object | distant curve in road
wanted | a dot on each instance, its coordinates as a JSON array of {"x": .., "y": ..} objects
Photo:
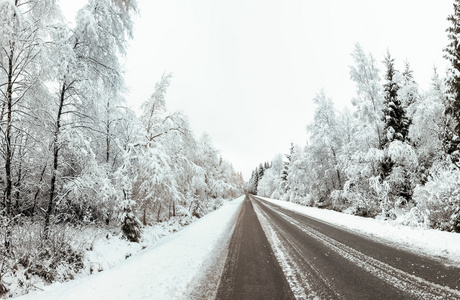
[{"x": 322, "y": 261}]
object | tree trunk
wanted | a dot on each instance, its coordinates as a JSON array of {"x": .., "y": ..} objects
[
  {"x": 17, "y": 187},
  {"x": 339, "y": 178},
  {"x": 8, "y": 153},
  {"x": 169, "y": 211},
  {"x": 2, "y": 114},
  {"x": 107, "y": 138},
  {"x": 158, "y": 214},
  {"x": 19, "y": 176},
  {"x": 38, "y": 191},
  {"x": 337, "y": 169},
  {"x": 55, "y": 162}
]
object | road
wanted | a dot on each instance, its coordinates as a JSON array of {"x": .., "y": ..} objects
[
  {"x": 251, "y": 270},
  {"x": 278, "y": 254}
]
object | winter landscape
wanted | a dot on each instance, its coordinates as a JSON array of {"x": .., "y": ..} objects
[{"x": 123, "y": 180}]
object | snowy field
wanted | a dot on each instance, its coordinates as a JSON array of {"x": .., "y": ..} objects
[
  {"x": 434, "y": 243},
  {"x": 170, "y": 269}
]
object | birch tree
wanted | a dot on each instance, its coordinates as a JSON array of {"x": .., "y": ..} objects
[
  {"x": 22, "y": 38},
  {"x": 89, "y": 67}
]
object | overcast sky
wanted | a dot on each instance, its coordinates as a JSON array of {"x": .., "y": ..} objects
[{"x": 246, "y": 71}]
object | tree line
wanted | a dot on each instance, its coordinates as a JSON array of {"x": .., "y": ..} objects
[
  {"x": 71, "y": 151},
  {"x": 395, "y": 154}
]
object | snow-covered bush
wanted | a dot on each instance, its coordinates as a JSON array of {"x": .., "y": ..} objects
[
  {"x": 338, "y": 201},
  {"x": 363, "y": 188},
  {"x": 438, "y": 201},
  {"x": 33, "y": 259},
  {"x": 130, "y": 224},
  {"x": 363, "y": 199}
]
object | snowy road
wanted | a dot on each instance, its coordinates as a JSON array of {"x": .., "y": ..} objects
[
  {"x": 321, "y": 261},
  {"x": 251, "y": 270}
]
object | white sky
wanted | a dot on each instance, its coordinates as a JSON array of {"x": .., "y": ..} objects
[{"x": 246, "y": 71}]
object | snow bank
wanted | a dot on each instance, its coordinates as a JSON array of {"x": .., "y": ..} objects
[
  {"x": 434, "y": 243},
  {"x": 107, "y": 250},
  {"x": 167, "y": 270}
]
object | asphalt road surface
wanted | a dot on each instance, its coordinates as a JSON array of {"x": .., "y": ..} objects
[
  {"x": 278, "y": 254},
  {"x": 251, "y": 270}
]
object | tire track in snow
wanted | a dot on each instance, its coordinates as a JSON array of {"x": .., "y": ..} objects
[
  {"x": 307, "y": 280},
  {"x": 304, "y": 284}
]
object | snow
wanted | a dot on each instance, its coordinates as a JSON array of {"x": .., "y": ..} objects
[
  {"x": 170, "y": 269},
  {"x": 434, "y": 243}
]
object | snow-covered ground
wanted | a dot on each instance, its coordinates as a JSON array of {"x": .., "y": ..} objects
[
  {"x": 434, "y": 243},
  {"x": 173, "y": 268}
]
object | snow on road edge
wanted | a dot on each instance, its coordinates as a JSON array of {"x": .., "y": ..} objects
[
  {"x": 165, "y": 271},
  {"x": 434, "y": 243}
]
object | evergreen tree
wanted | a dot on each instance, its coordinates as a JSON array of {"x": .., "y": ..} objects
[
  {"x": 452, "y": 54},
  {"x": 396, "y": 128},
  {"x": 256, "y": 181},
  {"x": 267, "y": 165},
  {"x": 261, "y": 171},
  {"x": 253, "y": 182},
  {"x": 394, "y": 115},
  {"x": 284, "y": 175},
  {"x": 408, "y": 93},
  {"x": 130, "y": 224},
  {"x": 260, "y": 175}
]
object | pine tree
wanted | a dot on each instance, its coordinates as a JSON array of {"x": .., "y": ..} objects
[
  {"x": 253, "y": 182},
  {"x": 396, "y": 123},
  {"x": 408, "y": 93},
  {"x": 130, "y": 224},
  {"x": 284, "y": 175},
  {"x": 452, "y": 54},
  {"x": 261, "y": 171},
  {"x": 396, "y": 128}
]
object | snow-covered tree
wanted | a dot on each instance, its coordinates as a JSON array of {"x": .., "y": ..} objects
[
  {"x": 155, "y": 181},
  {"x": 408, "y": 93},
  {"x": 369, "y": 100},
  {"x": 299, "y": 177},
  {"x": 394, "y": 114},
  {"x": 125, "y": 178},
  {"x": 396, "y": 129},
  {"x": 430, "y": 125},
  {"x": 85, "y": 64},
  {"x": 23, "y": 37},
  {"x": 284, "y": 187},
  {"x": 363, "y": 187},
  {"x": 269, "y": 184},
  {"x": 452, "y": 54},
  {"x": 253, "y": 182},
  {"x": 324, "y": 150}
]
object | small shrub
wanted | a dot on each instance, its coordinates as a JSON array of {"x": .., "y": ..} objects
[
  {"x": 130, "y": 224},
  {"x": 57, "y": 259},
  {"x": 438, "y": 201}
]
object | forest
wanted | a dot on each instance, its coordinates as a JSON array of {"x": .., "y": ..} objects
[
  {"x": 394, "y": 155},
  {"x": 73, "y": 155}
]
